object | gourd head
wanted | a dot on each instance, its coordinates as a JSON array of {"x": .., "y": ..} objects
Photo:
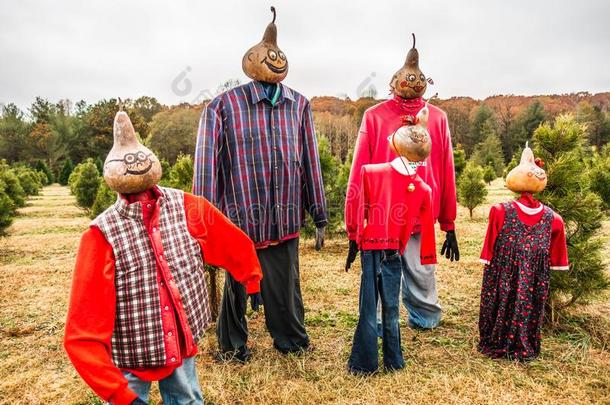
[
  {"x": 130, "y": 167},
  {"x": 265, "y": 61},
  {"x": 528, "y": 176}
]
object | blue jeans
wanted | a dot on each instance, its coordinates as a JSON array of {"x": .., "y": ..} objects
[
  {"x": 381, "y": 274},
  {"x": 179, "y": 388}
]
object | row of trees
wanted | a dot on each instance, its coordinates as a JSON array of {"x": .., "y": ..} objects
[{"x": 17, "y": 182}]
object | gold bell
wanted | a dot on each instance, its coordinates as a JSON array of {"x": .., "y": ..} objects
[{"x": 411, "y": 187}]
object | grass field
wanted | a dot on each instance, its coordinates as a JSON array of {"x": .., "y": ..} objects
[{"x": 443, "y": 365}]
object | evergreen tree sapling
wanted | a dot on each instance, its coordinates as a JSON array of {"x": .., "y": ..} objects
[
  {"x": 86, "y": 183},
  {"x": 7, "y": 208},
  {"x": 459, "y": 160},
  {"x": 65, "y": 172},
  {"x": 471, "y": 187},
  {"x": 568, "y": 192}
]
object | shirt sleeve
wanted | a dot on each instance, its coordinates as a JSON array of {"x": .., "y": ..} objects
[
  {"x": 359, "y": 220},
  {"x": 314, "y": 200},
  {"x": 428, "y": 243},
  {"x": 494, "y": 225},
  {"x": 559, "y": 247},
  {"x": 207, "y": 152},
  {"x": 448, "y": 203},
  {"x": 223, "y": 244},
  {"x": 90, "y": 319},
  {"x": 362, "y": 156}
]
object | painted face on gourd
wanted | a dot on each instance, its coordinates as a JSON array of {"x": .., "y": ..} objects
[
  {"x": 130, "y": 167},
  {"x": 412, "y": 140},
  {"x": 528, "y": 176},
  {"x": 265, "y": 61},
  {"x": 409, "y": 81}
]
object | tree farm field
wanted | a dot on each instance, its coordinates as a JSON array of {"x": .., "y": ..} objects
[{"x": 443, "y": 365}]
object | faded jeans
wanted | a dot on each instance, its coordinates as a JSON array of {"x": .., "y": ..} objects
[
  {"x": 179, "y": 388},
  {"x": 381, "y": 275}
]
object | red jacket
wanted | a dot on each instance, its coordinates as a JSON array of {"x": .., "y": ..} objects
[
  {"x": 372, "y": 146},
  {"x": 387, "y": 211},
  {"x": 91, "y": 314}
]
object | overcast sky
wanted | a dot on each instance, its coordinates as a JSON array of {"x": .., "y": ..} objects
[{"x": 100, "y": 49}]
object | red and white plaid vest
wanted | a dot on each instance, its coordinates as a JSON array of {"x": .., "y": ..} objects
[{"x": 137, "y": 341}]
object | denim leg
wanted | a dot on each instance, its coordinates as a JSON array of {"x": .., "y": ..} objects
[
  {"x": 419, "y": 293},
  {"x": 364, "y": 357},
  {"x": 182, "y": 386},
  {"x": 141, "y": 388},
  {"x": 389, "y": 291}
]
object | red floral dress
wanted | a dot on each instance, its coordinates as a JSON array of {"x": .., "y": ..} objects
[{"x": 515, "y": 288}]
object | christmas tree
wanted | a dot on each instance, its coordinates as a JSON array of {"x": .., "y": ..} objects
[
  {"x": 561, "y": 147},
  {"x": 471, "y": 187}
]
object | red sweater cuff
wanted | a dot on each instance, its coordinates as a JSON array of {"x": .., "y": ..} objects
[
  {"x": 447, "y": 226},
  {"x": 253, "y": 287},
  {"x": 123, "y": 397}
]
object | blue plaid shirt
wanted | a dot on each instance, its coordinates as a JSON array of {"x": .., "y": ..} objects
[{"x": 259, "y": 163}]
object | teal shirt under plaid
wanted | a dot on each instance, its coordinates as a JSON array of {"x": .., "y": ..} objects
[{"x": 259, "y": 163}]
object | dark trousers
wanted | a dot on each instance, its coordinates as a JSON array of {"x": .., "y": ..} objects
[
  {"x": 381, "y": 273},
  {"x": 283, "y": 304}
]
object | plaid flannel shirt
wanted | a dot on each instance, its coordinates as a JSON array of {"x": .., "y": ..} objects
[{"x": 258, "y": 163}]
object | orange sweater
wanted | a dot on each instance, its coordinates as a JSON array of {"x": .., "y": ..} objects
[{"x": 91, "y": 313}]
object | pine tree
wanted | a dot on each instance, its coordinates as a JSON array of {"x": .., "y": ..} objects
[
  {"x": 600, "y": 175},
  {"x": 12, "y": 186},
  {"x": 483, "y": 121},
  {"x": 459, "y": 160},
  {"x": 104, "y": 198},
  {"x": 489, "y": 152},
  {"x": 568, "y": 193},
  {"x": 7, "y": 208},
  {"x": 100, "y": 166},
  {"x": 181, "y": 174},
  {"x": 65, "y": 172},
  {"x": 471, "y": 187},
  {"x": 42, "y": 167},
  {"x": 86, "y": 183},
  {"x": 523, "y": 128},
  {"x": 489, "y": 174}
]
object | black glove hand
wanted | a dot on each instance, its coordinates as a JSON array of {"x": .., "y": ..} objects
[
  {"x": 351, "y": 254},
  {"x": 320, "y": 237},
  {"x": 138, "y": 401},
  {"x": 256, "y": 300},
  {"x": 450, "y": 247}
]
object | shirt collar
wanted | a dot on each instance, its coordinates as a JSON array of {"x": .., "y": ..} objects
[
  {"x": 134, "y": 210},
  {"x": 257, "y": 92}
]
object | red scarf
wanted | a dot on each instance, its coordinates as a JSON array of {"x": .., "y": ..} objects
[{"x": 408, "y": 107}]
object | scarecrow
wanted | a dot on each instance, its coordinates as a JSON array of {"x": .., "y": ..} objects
[
  {"x": 392, "y": 199},
  {"x": 525, "y": 240},
  {"x": 139, "y": 301},
  {"x": 408, "y": 86},
  {"x": 257, "y": 160}
]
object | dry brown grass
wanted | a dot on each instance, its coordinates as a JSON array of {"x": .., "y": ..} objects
[{"x": 443, "y": 365}]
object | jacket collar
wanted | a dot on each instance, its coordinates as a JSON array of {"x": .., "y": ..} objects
[
  {"x": 257, "y": 92},
  {"x": 134, "y": 210}
]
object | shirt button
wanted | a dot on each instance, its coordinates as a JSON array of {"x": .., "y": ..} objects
[
  {"x": 166, "y": 308},
  {"x": 170, "y": 334},
  {"x": 173, "y": 359},
  {"x": 160, "y": 257},
  {"x": 154, "y": 229},
  {"x": 148, "y": 205}
]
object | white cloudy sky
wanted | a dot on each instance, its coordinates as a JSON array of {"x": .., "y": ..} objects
[{"x": 99, "y": 49}]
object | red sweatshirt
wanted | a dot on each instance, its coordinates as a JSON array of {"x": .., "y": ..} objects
[
  {"x": 372, "y": 146},
  {"x": 387, "y": 211},
  {"x": 91, "y": 313},
  {"x": 559, "y": 249}
]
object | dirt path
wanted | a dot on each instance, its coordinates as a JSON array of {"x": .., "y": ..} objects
[{"x": 443, "y": 366}]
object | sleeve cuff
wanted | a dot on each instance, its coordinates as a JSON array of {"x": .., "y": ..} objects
[
  {"x": 123, "y": 397},
  {"x": 484, "y": 261},
  {"x": 447, "y": 226},
  {"x": 253, "y": 287},
  {"x": 428, "y": 260},
  {"x": 561, "y": 268}
]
